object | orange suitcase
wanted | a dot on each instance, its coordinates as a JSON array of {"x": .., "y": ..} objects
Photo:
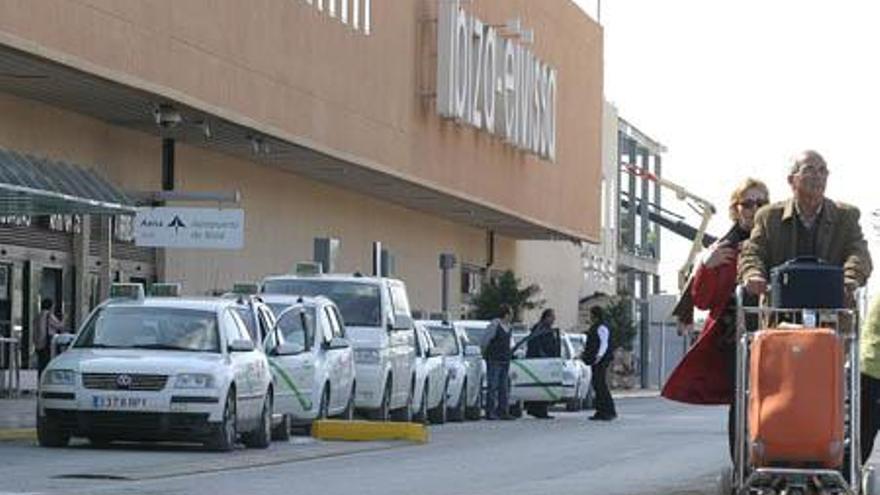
[{"x": 795, "y": 410}]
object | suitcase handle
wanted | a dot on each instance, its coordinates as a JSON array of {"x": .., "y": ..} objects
[{"x": 807, "y": 259}]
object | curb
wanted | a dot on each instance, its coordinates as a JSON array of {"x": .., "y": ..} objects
[
  {"x": 13, "y": 434},
  {"x": 330, "y": 429}
]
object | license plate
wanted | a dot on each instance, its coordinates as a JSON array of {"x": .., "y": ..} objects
[{"x": 114, "y": 402}]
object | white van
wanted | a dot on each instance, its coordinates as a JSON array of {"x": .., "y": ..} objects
[{"x": 379, "y": 325}]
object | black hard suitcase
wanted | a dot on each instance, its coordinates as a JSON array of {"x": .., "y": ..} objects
[{"x": 806, "y": 282}]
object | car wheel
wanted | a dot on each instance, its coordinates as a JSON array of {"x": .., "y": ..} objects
[
  {"x": 404, "y": 414},
  {"x": 348, "y": 413},
  {"x": 573, "y": 404},
  {"x": 281, "y": 432},
  {"x": 437, "y": 415},
  {"x": 472, "y": 413},
  {"x": 516, "y": 409},
  {"x": 50, "y": 434},
  {"x": 261, "y": 437},
  {"x": 225, "y": 434},
  {"x": 457, "y": 413},
  {"x": 99, "y": 441},
  {"x": 421, "y": 416},
  {"x": 383, "y": 413}
]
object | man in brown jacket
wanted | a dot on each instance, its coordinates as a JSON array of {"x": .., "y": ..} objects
[{"x": 808, "y": 224}]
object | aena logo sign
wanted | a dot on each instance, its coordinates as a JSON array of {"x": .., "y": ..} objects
[{"x": 489, "y": 79}]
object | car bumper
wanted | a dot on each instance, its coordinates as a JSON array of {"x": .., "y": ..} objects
[
  {"x": 201, "y": 402},
  {"x": 127, "y": 425}
]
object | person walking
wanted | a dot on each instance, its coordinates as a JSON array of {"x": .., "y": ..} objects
[
  {"x": 46, "y": 325},
  {"x": 542, "y": 342},
  {"x": 869, "y": 351},
  {"x": 497, "y": 353},
  {"x": 706, "y": 374},
  {"x": 598, "y": 353}
]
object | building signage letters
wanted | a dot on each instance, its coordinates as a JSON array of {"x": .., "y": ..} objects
[
  {"x": 189, "y": 228},
  {"x": 357, "y": 13},
  {"x": 488, "y": 78}
]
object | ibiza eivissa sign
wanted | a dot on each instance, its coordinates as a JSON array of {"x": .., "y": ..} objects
[{"x": 489, "y": 79}]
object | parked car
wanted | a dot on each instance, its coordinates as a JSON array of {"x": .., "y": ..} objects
[
  {"x": 378, "y": 322},
  {"x": 549, "y": 380},
  {"x": 158, "y": 368},
  {"x": 465, "y": 366},
  {"x": 579, "y": 374},
  {"x": 312, "y": 361},
  {"x": 429, "y": 402}
]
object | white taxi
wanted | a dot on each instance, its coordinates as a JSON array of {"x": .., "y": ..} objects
[
  {"x": 556, "y": 379},
  {"x": 429, "y": 396},
  {"x": 464, "y": 364},
  {"x": 312, "y": 361},
  {"x": 158, "y": 368},
  {"x": 378, "y": 323}
]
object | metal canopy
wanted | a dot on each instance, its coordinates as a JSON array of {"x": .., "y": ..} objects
[{"x": 30, "y": 185}]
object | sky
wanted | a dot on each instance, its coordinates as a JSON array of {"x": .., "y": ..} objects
[{"x": 736, "y": 88}]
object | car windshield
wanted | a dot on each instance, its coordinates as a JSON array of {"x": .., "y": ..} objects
[
  {"x": 297, "y": 325},
  {"x": 444, "y": 340},
  {"x": 177, "y": 329},
  {"x": 358, "y": 302},
  {"x": 277, "y": 308}
]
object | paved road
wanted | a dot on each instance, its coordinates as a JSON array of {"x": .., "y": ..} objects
[{"x": 656, "y": 447}]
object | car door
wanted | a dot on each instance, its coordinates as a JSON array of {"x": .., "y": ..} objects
[
  {"x": 402, "y": 344},
  {"x": 293, "y": 370},
  {"x": 243, "y": 365},
  {"x": 338, "y": 367},
  {"x": 473, "y": 365},
  {"x": 536, "y": 379}
]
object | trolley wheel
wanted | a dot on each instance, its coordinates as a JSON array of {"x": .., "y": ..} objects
[{"x": 724, "y": 483}]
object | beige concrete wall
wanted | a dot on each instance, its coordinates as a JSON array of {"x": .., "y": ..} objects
[
  {"x": 303, "y": 76},
  {"x": 556, "y": 267},
  {"x": 284, "y": 212}
]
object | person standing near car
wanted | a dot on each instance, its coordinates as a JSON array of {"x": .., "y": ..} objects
[
  {"x": 497, "y": 353},
  {"x": 598, "y": 354},
  {"x": 542, "y": 342},
  {"x": 46, "y": 326}
]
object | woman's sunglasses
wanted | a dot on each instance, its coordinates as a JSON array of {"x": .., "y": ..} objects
[{"x": 752, "y": 203}]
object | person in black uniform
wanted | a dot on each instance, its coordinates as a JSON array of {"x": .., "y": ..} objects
[
  {"x": 598, "y": 353},
  {"x": 497, "y": 353},
  {"x": 542, "y": 342}
]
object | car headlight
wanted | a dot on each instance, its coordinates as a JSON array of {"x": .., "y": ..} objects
[
  {"x": 367, "y": 356},
  {"x": 59, "y": 377},
  {"x": 194, "y": 380}
]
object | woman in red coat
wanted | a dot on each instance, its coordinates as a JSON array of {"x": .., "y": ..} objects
[{"x": 706, "y": 373}]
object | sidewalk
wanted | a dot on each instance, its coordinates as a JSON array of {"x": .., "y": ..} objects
[
  {"x": 635, "y": 393},
  {"x": 18, "y": 418}
]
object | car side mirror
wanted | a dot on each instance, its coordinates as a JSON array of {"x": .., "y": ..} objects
[
  {"x": 61, "y": 341},
  {"x": 241, "y": 345},
  {"x": 289, "y": 349},
  {"x": 472, "y": 350},
  {"x": 338, "y": 343}
]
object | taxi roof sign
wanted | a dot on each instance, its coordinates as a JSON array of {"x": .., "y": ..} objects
[
  {"x": 245, "y": 288},
  {"x": 165, "y": 290},
  {"x": 307, "y": 268},
  {"x": 127, "y": 291}
]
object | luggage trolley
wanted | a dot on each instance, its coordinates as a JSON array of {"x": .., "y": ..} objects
[{"x": 756, "y": 472}]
